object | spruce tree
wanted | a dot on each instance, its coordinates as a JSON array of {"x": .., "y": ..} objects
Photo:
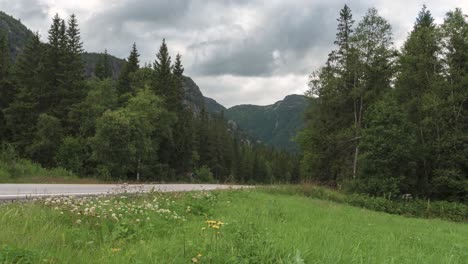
[
  {"x": 7, "y": 90},
  {"x": 419, "y": 72},
  {"x": 73, "y": 83},
  {"x": 162, "y": 86},
  {"x": 55, "y": 64},
  {"x": 103, "y": 69},
  {"x": 131, "y": 66},
  {"x": 32, "y": 97},
  {"x": 162, "y": 70}
]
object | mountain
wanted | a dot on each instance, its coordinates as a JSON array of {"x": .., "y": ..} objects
[
  {"x": 275, "y": 124},
  {"x": 17, "y": 33},
  {"x": 91, "y": 59}
]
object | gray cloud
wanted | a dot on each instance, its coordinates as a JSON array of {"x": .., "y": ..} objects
[
  {"x": 253, "y": 51},
  {"x": 25, "y": 9}
]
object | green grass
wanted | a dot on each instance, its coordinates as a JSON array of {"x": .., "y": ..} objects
[
  {"x": 25, "y": 171},
  {"x": 261, "y": 227}
]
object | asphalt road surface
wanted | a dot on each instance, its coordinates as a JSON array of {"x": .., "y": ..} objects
[{"x": 28, "y": 191}]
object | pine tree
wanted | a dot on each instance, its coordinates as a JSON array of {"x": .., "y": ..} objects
[
  {"x": 162, "y": 86},
  {"x": 419, "y": 71},
  {"x": 372, "y": 69},
  {"x": 7, "y": 90},
  {"x": 55, "y": 64},
  {"x": 73, "y": 82},
  {"x": 132, "y": 65},
  {"x": 163, "y": 75},
  {"x": 30, "y": 100},
  {"x": 329, "y": 139},
  {"x": 449, "y": 112},
  {"x": 103, "y": 68}
]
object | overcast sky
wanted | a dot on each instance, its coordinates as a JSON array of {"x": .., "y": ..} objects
[{"x": 237, "y": 51}]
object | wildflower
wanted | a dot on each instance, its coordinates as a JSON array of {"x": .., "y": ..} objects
[
  {"x": 199, "y": 255},
  {"x": 194, "y": 260},
  {"x": 78, "y": 222},
  {"x": 115, "y": 217},
  {"x": 115, "y": 250}
]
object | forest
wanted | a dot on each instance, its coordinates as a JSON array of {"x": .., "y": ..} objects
[
  {"x": 136, "y": 127},
  {"x": 382, "y": 120},
  {"x": 391, "y": 122}
]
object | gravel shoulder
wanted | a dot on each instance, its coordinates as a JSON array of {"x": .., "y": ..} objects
[{"x": 30, "y": 191}]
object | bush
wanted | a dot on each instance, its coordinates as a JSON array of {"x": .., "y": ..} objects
[
  {"x": 13, "y": 168},
  {"x": 417, "y": 208},
  {"x": 204, "y": 175}
]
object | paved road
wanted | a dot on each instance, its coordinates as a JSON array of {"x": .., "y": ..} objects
[{"x": 25, "y": 191}]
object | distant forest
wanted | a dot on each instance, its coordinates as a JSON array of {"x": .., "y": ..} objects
[
  {"x": 133, "y": 127},
  {"x": 389, "y": 122}
]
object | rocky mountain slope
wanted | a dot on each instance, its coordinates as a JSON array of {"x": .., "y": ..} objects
[{"x": 275, "y": 124}]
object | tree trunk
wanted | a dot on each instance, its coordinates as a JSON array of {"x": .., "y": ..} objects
[{"x": 138, "y": 170}]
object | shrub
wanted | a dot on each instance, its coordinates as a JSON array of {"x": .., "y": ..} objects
[
  {"x": 204, "y": 175},
  {"x": 417, "y": 208}
]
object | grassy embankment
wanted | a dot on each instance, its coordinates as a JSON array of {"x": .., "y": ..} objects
[
  {"x": 25, "y": 171},
  {"x": 258, "y": 226}
]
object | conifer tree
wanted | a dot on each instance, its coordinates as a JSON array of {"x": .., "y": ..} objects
[
  {"x": 56, "y": 59},
  {"x": 73, "y": 81},
  {"x": 163, "y": 74},
  {"x": 420, "y": 70},
  {"x": 132, "y": 65},
  {"x": 103, "y": 68},
  {"x": 30, "y": 100},
  {"x": 7, "y": 90}
]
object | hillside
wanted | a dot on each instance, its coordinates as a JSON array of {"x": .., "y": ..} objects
[
  {"x": 18, "y": 34},
  {"x": 92, "y": 58},
  {"x": 274, "y": 124}
]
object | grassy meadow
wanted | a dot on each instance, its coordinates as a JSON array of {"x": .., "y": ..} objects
[{"x": 242, "y": 226}]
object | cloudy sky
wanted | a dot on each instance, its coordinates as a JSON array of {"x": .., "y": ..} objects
[{"x": 237, "y": 51}]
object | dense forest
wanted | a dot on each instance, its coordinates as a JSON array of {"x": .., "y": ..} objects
[
  {"x": 135, "y": 126},
  {"x": 388, "y": 122},
  {"x": 381, "y": 121}
]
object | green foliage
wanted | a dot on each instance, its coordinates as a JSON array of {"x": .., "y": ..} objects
[
  {"x": 123, "y": 141},
  {"x": 18, "y": 34},
  {"x": 72, "y": 155},
  {"x": 15, "y": 169},
  {"x": 387, "y": 147},
  {"x": 275, "y": 125},
  {"x": 47, "y": 140},
  {"x": 129, "y": 68},
  {"x": 381, "y": 141},
  {"x": 16, "y": 256},
  {"x": 396, "y": 204},
  {"x": 103, "y": 68},
  {"x": 204, "y": 175}
]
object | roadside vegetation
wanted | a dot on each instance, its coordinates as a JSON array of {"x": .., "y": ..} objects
[{"x": 241, "y": 226}]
